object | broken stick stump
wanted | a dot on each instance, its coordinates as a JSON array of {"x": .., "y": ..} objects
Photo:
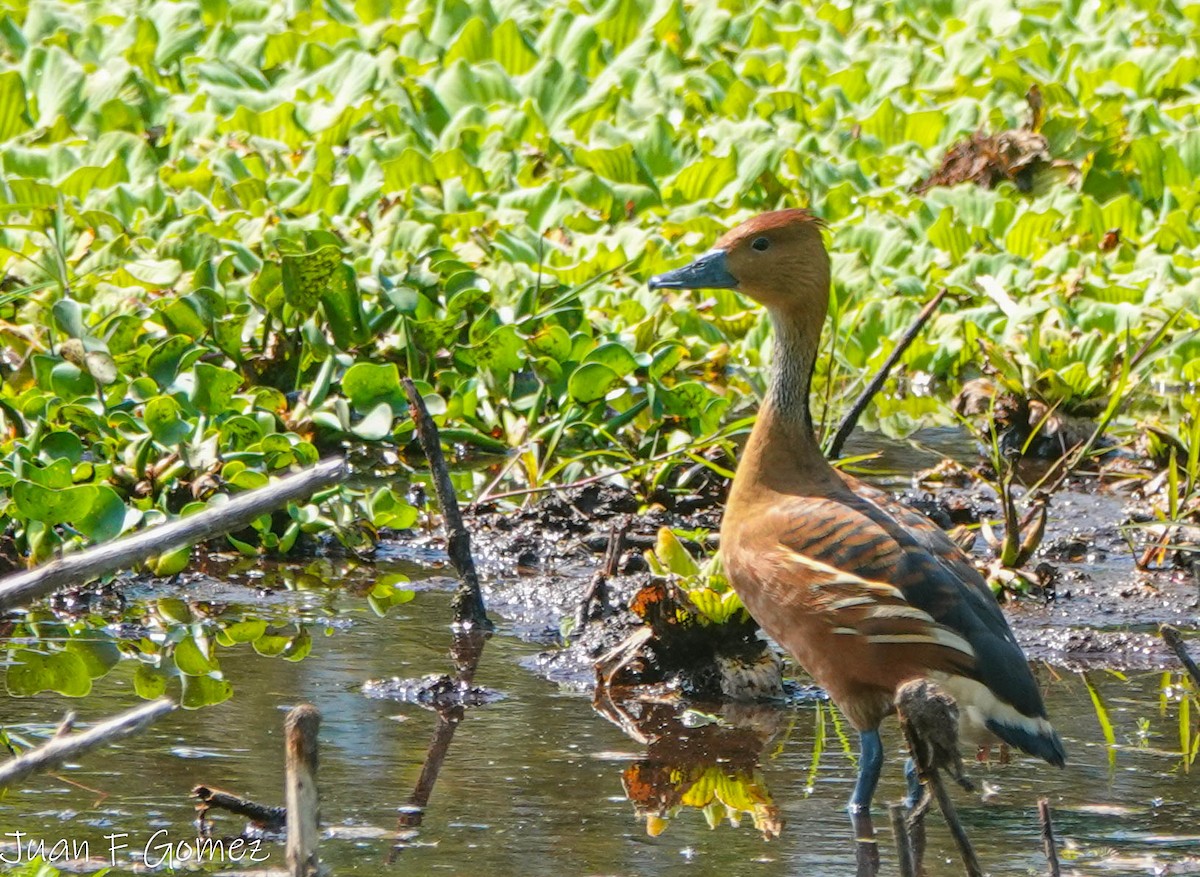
[{"x": 303, "y": 802}]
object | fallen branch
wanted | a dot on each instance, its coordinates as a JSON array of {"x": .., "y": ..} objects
[
  {"x": 860, "y": 404},
  {"x": 270, "y": 818},
  {"x": 217, "y": 520},
  {"x": 468, "y": 601},
  {"x": 1172, "y": 638},
  {"x": 70, "y": 746},
  {"x": 1048, "y": 837}
]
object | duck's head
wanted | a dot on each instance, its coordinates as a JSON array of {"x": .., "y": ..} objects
[{"x": 778, "y": 259}]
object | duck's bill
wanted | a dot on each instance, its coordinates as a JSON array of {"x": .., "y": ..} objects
[{"x": 707, "y": 272}]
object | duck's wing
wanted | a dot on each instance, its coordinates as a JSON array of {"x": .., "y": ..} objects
[{"x": 863, "y": 536}]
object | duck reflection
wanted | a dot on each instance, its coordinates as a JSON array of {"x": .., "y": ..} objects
[{"x": 702, "y": 757}]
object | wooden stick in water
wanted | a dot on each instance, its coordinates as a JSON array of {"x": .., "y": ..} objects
[
  {"x": 270, "y": 818},
  {"x": 217, "y": 520},
  {"x": 1048, "y": 837},
  {"x": 468, "y": 601},
  {"x": 946, "y": 805},
  {"x": 303, "y": 802},
  {"x": 1172, "y": 638},
  {"x": 904, "y": 852},
  {"x": 67, "y": 747}
]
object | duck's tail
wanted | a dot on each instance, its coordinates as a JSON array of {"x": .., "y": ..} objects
[{"x": 981, "y": 711}]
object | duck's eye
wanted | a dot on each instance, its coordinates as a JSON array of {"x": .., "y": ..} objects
[{"x": 760, "y": 244}]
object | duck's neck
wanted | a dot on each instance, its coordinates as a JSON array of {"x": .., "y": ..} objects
[
  {"x": 782, "y": 455},
  {"x": 791, "y": 375}
]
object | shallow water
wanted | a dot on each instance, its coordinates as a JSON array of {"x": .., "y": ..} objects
[{"x": 535, "y": 784}]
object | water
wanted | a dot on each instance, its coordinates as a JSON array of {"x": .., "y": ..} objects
[{"x": 535, "y": 784}]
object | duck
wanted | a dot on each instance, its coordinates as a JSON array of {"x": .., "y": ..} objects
[{"x": 863, "y": 592}]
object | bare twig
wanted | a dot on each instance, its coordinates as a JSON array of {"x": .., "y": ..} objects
[
  {"x": 270, "y": 818},
  {"x": 468, "y": 601},
  {"x": 303, "y": 802},
  {"x": 1048, "y": 837},
  {"x": 595, "y": 601},
  {"x": 860, "y": 404},
  {"x": 216, "y": 520},
  {"x": 68, "y": 747},
  {"x": 67, "y": 725},
  {"x": 904, "y": 852},
  {"x": 946, "y": 805},
  {"x": 1175, "y": 642}
]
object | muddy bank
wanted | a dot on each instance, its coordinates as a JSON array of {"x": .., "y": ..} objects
[{"x": 1090, "y": 606}]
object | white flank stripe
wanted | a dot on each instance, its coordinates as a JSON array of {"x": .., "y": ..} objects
[
  {"x": 900, "y": 612},
  {"x": 841, "y": 577},
  {"x": 935, "y": 637},
  {"x": 850, "y": 603},
  {"x": 847, "y": 630}
]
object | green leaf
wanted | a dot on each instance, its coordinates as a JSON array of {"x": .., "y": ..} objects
[
  {"x": 94, "y": 509},
  {"x": 71, "y": 382},
  {"x": 591, "y": 382},
  {"x": 949, "y": 236},
  {"x": 368, "y": 384},
  {"x": 377, "y": 425},
  {"x": 214, "y": 388},
  {"x": 202, "y": 691},
  {"x": 165, "y": 419},
  {"x": 704, "y": 179},
  {"x": 31, "y": 673},
  {"x": 242, "y": 631},
  {"x": 149, "y": 682},
  {"x": 170, "y": 563},
  {"x": 191, "y": 659},
  {"x": 342, "y": 306},
  {"x": 14, "y": 111},
  {"x": 616, "y": 356},
  {"x": 673, "y": 555},
  {"x": 511, "y": 49},
  {"x": 99, "y": 655},
  {"x": 390, "y": 510},
  {"x": 306, "y": 276},
  {"x": 385, "y": 595}
]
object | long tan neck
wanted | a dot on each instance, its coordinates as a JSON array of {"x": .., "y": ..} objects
[{"x": 782, "y": 455}]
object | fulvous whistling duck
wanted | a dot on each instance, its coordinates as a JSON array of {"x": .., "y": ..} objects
[{"x": 865, "y": 593}]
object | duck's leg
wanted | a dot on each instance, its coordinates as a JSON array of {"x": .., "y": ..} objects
[
  {"x": 915, "y": 790},
  {"x": 870, "y": 763}
]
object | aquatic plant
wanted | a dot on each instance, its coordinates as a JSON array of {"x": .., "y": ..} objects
[{"x": 228, "y": 229}]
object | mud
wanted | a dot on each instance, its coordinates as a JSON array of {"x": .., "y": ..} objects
[
  {"x": 435, "y": 692},
  {"x": 1091, "y": 606}
]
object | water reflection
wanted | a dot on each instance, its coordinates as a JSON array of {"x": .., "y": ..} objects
[
  {"x": 529, "y": 784},
  {"x": 705, "y": 760}
]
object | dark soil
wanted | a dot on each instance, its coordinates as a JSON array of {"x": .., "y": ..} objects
[{"x": 1095, "y": 609}]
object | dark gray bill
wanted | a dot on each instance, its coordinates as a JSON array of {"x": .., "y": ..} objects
[{"x": 707, "y": 272}]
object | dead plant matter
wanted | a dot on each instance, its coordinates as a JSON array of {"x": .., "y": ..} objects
[{"x": 991, "y": 159}]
